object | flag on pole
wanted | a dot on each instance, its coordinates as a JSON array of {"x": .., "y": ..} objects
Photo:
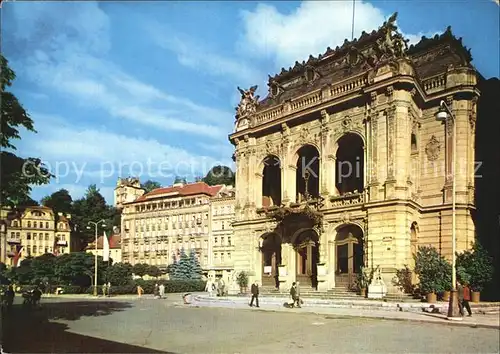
[
  {"x": 105, "y": 248},
  {"x": 17, "y": 255}
]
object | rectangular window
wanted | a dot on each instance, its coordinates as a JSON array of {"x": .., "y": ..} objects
[
  {"x": 28, "y": 236},
  {"x": 229, "y": 241},
  {"x": 47, "y": 225}
]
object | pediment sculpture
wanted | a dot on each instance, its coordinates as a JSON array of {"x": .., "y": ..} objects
[{"x": 248, "y": 103}]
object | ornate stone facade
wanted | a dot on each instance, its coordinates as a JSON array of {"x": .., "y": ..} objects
[{"x": 344, "y": 159}]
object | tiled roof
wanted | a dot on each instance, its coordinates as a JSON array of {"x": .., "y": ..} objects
[
  {"x": 196, "y": 188},
  {"x": 114, "y": 242}
]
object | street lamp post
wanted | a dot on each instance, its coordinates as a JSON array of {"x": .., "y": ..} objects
[
  {"x": 95, "y": 224},
  {"x": 445, "y": 114}
]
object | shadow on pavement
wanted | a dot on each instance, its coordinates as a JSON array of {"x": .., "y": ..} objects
[{"x": 31, "y": 331}]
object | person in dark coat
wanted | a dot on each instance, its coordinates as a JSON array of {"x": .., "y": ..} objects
[
  {"x": 255, "y": 294},
  {"x": 295, "y": 296}
]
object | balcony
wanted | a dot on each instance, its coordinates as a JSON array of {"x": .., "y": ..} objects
[
  {"x": 62, "y": 243},
  {"x": 11, "y": 254},
  {"x": 348, "y": 199},
  {"x": 14, "y": 241}
]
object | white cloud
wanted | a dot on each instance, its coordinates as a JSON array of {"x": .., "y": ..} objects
[
  {"x": 81, "y": 156},
  {"x": 310, "y": 29},
  {"x": 201, "y": 57},
  {"x": 70, "y": 60}
]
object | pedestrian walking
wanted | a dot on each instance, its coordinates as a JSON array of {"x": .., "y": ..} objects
[
  {"x": 104, "y": 289},
  {"x": 162, "y": 290},
  {"x": 464, "y": 298},
  {"x": 294, "y": 295},
  {"x": 156, "y": 291},
  {"x": 210, "y": 287},
  {"x": 222, "y": 286},
  {"x": 109, "y": 289},
  {"x": 140, "y": 290},
  {"x": 255, "y": 294}
]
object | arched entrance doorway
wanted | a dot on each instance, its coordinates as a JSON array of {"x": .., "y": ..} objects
[
  {"x": 271, "y": 258},
  {"x": 350, "y": 169},
  {"x": 349, "y": 252},
  {"x": 306, "y": 245}
]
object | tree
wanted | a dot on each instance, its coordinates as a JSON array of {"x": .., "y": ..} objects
[
  {"x": 476, "y": 266},
  {"x": 78, "y": 268},
  {"x": 119, "y": 274},
  {"x": 140, "y": 269},
  {"x": 187, "y": 268},
  {"x": 153, "y": 271},
  {"x": 22, "y": 274},
  {"x": 59, "y": 202},
  {"x": 179, "y": 179},
  {"x": 149, "y": 185},
  {"x": 92, "y": 207},
  {"x": 433, "y": 270},
  {"x": 196, "y": 271},
  {"x": 43, "y": 269},
  {"x": 16, "y": 173},
  {"x": 220, "y": 175}
]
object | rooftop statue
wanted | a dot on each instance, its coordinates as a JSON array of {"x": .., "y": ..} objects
[
  {"x": 248, "y": 103},
  {"x": 392, "y": 43}
]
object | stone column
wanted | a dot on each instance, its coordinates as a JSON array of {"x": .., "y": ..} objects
[
  {"x": 390, "y": 183},
  {"x": 258, "y": 264},
  {"x": 291, "y": 186},
  {"x": 373, "y": 162},
  {"x": 332, "y": 262},
  {"x": 257, "y": 193}
]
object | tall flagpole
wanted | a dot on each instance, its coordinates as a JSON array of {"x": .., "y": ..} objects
[{"x": 353, "y": 9}]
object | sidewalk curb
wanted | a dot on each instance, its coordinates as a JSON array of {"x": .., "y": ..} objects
[{"x": 387, "y": 318}]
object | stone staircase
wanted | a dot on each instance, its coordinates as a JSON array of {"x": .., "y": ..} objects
[{"x": 339, "y": 293}]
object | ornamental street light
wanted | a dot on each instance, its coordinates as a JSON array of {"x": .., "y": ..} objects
[
  {"x": 96, "y": 224},
  {"x": 444, "y": 114}
]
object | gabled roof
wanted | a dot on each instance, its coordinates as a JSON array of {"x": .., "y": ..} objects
[
  {"x": 184, "y": 190},
  {"x": 114, "y": 242}
]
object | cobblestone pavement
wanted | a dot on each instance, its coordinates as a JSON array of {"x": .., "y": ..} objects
[{"x": 148, "y": 325}]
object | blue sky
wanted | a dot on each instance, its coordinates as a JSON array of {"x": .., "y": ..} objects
[{"x": 149, "y": 89}]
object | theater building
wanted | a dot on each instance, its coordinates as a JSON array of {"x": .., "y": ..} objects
[{"x": 345, "y": 165}]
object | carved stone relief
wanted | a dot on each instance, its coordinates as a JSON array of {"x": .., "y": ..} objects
[
  {"x": 432, "y": 149},
  {"x": 374, "y": 125},
  {"x": 391, "y": 121}
]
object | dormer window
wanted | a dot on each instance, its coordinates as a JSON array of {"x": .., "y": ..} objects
[
  {"x": 309, "y": 74},
  {"x": 275, "y": 90}
]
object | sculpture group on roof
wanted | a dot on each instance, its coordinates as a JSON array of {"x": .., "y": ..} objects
[{"x": 248, "y": 103}]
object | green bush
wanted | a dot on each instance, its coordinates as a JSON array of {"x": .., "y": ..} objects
[
  {"x": 433, "y": 270},
  {"x": 171, "y": 286},
  {"x": 476, "y": 266},
  {"x": 72, "y": 289}
]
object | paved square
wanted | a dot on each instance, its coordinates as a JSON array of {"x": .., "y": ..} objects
[{"x": 148, "y": 326}]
